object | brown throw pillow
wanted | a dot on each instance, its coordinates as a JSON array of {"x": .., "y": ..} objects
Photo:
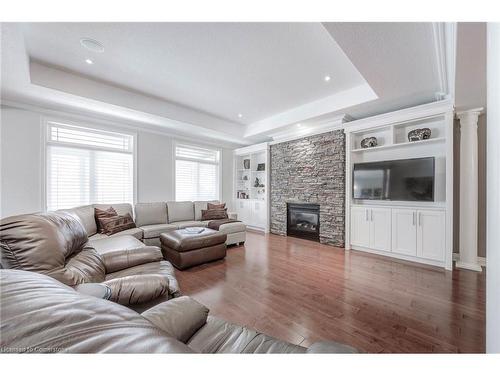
[
  {"x": 102, "y": 214},
  {"x": 216, "y": 214},
  {"x": 115, "y": 224},
  {"x": 213, "y": 206}
]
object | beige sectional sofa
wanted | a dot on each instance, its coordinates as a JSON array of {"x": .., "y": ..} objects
[{"x": 152, "y": 219}]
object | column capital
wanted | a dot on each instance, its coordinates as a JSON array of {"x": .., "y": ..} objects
[{"x": 470, "y": 114}]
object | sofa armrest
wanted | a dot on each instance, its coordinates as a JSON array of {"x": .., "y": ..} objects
[
  {"x": 180, "y": 317},
  {"x": 232, "y": 215},
  {"x": 98, "y": 290},
  {"x": 330, "y": 347},
  {"x": 122, "y": 259},
  {"x": 137, "y": 289}
]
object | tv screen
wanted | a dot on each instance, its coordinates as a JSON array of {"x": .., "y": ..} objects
[{"x": 396, "y": 180}]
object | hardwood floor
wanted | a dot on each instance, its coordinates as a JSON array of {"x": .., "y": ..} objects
[{"x": 303, "y": 292}]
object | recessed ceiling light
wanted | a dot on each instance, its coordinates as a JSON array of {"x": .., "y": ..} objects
[
  {"x": 299, "y": 125},
  {"x": 240, "y": 115},
  {"x": 92, "y": 45},
  {"x": 88, "y": 61},
  {"x": 327, "y": 78}
]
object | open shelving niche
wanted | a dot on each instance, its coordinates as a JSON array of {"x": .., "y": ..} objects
[{"x": 251, "y": 168}]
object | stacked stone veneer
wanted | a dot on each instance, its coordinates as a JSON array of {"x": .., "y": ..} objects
[{"x": 310, "y": 170}]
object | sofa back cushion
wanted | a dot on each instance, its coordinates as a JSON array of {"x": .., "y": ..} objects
[
  {"x": 150, "y": 213},
  {"x": 45, "y": 243},
  {"x": 180, "y": 211},
  {"x": 86, "y": 216},
  {"x": 199, "y": 206}
]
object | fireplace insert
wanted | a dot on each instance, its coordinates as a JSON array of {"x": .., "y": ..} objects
[{"x": 303, "y": 220}]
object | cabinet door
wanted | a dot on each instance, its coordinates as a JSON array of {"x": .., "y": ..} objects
[
  {"x": 244, "y": 212},
  {"x": 259, "y": 214},
  {"x": 404, "y": 232},
  {"x": 431, "y": 234},
  {"x": 380, "y": 228},
  {"x": 360, "y": 226}
]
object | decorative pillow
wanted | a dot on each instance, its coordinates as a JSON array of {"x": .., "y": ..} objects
[
  {"x": 115, "y": 224},
  {"x": 215, "y": 214},
  {"x": 213, "y": 206},
  {"x": 102, "y": 214}
]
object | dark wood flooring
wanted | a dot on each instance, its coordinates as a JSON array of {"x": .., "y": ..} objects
[{"x": 303, "y": 292}]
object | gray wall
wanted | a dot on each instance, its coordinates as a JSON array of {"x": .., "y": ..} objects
[
  {"x": 310, "y": 170},
  {"x": 481, "y": 134}
]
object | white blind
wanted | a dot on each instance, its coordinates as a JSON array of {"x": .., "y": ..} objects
[
  {"x": 196, "y": 173},
  {"x": 81, "y": 171}
]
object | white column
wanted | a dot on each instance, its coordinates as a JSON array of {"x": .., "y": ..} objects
[{"x": 468, "y": 189}]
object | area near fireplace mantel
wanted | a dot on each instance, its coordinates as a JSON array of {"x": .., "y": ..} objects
[{"x": 310, "y": 170}]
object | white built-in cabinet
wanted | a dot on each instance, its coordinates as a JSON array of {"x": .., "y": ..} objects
[
  {"x": 416, "y": 231},
  {"x": 251, "y": 186},
  {"x": 408, "y": 233}
]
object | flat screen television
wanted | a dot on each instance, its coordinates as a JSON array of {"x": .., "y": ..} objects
[{"x": 395, "y": 180}]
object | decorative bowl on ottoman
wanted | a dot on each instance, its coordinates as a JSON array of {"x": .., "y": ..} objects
[{"x": 187, "y": 248}]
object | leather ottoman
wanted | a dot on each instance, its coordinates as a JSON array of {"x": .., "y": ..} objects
[{"x": 185, "y": 249}]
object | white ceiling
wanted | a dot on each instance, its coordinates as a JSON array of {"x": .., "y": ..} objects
[
  {"x": 256, "y": 69},
  {"x": 194, "y": 78}
]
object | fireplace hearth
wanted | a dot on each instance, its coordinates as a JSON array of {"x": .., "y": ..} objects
[{"x": 303, "y": 220}]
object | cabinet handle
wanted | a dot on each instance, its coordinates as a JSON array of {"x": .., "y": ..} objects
[
  {"x": 420, "y": 219},
  {"x": 413, "y": 215},
  {"x": 366, "y": 215},
  {"x": 371, "y": 214}
]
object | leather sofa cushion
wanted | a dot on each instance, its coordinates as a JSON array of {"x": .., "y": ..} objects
[
  {"x": 180, "y": 211},
  {"x": 137, "y": 289},
  {"x": 181, "y": 240},
  {"x": 122, "y": 259},
  {"x": 219, "y": 336},
  {"x": 150, "y": 213},
  {"x": 86, "y": 216},
  {"x": 229, "y": 228},
  {"x": 42, "y": 243},
  {"x": 188, "y": 224},
  {"x": 179, "y": 317},
  {"x": 40, "y": 312},
  {"x": 114, "y": 243},
  {"x": 162, "y": 268},
  {"x": 154, "y": 230},
  {"x": 201, "y": 205}
]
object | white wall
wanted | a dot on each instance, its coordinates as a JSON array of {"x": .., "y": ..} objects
[
  {"x": 21, "y": 186},
  {"x": 493, "y": 187}
]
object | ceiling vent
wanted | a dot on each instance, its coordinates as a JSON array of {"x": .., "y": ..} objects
[{"x": 92, "y": 45}]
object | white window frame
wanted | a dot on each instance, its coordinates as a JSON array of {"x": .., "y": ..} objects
[
  {"x": 176, "y": 143},
  {"x": 45, "y": 140}
]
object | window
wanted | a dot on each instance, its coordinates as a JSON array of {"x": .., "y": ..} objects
[
  {"x": 86, "y": 166},
  {"x": 197, "y": 173}
]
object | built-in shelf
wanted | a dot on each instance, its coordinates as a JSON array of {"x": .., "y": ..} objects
[{"x": 405, "y": 144}]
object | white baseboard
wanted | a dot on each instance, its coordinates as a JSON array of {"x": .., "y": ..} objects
[{"x": 480, "y": 260}]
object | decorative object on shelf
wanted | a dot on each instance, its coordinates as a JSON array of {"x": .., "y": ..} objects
[
  {"x": 246, "y": 163},
  {"x": 369, "y": 142},
  {"x": 419, "y": 134},
  {"x": 257, "y": 182},
  {"x": 242, "y": 195},
  {"x": 261, "y": 166},
  {"x": 245, "y": 178}
]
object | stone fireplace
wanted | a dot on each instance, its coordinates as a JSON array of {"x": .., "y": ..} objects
[
  {"x": 303, "y": 221},
  {"x": 310, "y": 170}
]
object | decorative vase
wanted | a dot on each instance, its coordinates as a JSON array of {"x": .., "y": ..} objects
[
  {"x": 246, "y": 163},
  {"x": 419, "y": 134},
  {"x": 369, "y": 142}
]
